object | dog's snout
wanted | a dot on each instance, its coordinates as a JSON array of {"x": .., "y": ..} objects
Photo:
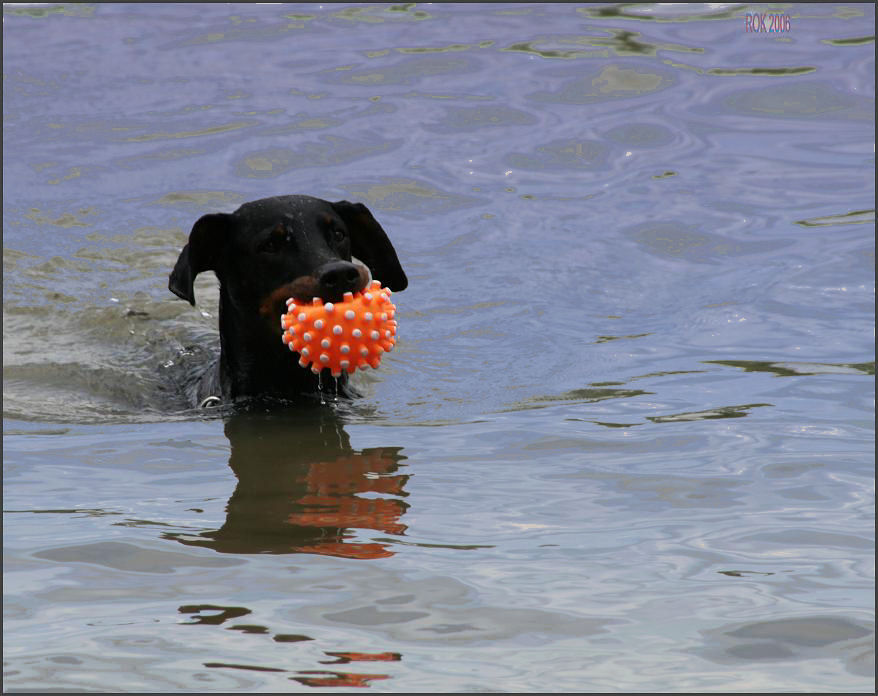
[{"x": 337, "y": 278}]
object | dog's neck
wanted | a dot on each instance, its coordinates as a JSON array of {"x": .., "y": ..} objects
[{"x": 257, "y": 362}]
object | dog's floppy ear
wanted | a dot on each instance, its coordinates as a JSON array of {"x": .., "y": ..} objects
[
  {"x": 370, "y": 244},
  {"x": 206, "y": 242}
]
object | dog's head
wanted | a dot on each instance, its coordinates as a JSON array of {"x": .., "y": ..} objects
[{"x": 287, "y": 246}]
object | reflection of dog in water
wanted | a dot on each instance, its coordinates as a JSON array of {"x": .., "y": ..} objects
[{"x": 300, "y": 488}]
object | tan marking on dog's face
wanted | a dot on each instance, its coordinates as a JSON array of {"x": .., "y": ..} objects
[
  {"x": 302, "y": 289},
  {"x": 274, "y": 304}
]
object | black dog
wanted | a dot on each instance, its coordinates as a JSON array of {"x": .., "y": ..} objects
[{"x": 263, "y": 253}]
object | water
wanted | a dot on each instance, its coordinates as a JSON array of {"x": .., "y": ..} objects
[{"x": 626, "y": 439}]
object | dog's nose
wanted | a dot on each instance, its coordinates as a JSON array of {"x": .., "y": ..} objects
[{"x": 337, "y": 278}]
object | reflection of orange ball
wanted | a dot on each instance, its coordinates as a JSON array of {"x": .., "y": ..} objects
[{"x": 343, "y": 335}]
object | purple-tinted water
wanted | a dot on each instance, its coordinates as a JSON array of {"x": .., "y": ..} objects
[{"x": 626, "y": 440}]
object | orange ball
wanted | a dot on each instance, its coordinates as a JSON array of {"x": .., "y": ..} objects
[{"x": 342, "y": 336}]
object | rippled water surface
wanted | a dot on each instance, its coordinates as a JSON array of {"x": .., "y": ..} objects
[{"x": 626, "y": 440}]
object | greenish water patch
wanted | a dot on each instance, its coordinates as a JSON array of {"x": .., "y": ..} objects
[
  {"x": 72, "y": 10},
  {"x": 855, "y": 217},
  {"x": 772, "y": 72},
  {"x": 613, "y": 81},
  {"x": 201, "y": 199},
  {"x": 377, "y": 14},
  {"x": 857, "y": 41},
  {"x": 330, "y": 150},
  {"x": 620, "y": 11},
  {"x": 214, "y": 130},
  {"x": 587, "y": 395},
  {"x": 451, "y": 48},
  {"x": 709, "y": 414},
  {"x": 797, "y": 369},
  {"x": 812, "y": 99},
  {"x": 620, "y": 43},
  {"x": 606, "y": 339},
  {"x": 684, "y": 241}
]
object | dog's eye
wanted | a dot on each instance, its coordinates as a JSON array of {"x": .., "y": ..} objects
[
  {"x": 274, "y": 242},
  {"x": 338, "y": 235}
]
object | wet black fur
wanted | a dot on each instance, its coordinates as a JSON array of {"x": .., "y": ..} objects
[{"x": 263, "y": 253}]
